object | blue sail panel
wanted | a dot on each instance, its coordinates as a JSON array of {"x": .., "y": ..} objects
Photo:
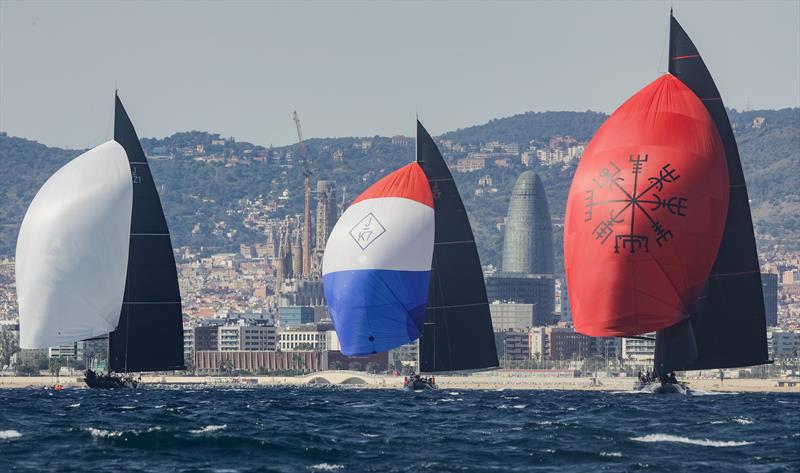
[
  {"x": 377, "y": 264},
  {"x": 376, "y": 310}
]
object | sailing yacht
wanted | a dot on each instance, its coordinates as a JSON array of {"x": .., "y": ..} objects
[
  {"x": 688, "y": 268},
  {"x": 401, "y": 264},
  {"x": 94, "y": 259}
]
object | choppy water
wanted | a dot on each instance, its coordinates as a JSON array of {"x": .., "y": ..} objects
[{"x": 330, "y": 429}]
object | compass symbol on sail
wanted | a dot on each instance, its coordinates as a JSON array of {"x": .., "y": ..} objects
[
  {"x": 629, "y": 202},
  {"x": 367, "y": 230}
]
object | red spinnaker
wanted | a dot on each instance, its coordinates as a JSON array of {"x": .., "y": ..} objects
[{"x": 645, "y": 213}]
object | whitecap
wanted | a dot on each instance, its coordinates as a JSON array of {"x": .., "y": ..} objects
[
  {"x": 209, "y": 428},
  {"x": 369, "y": 435},
  {"x": 519, "y": 406},
  {"x": 127, "y": 408},
  {"x": 686, "y": 440},
  {"x": 325, "y": 467},
  {"x": 694, "y": 392},
  {"x": 9, "y": 434},
  {"x": 454, "y": 393},
  {"x": 743, "y": 421},
  {"x": 77, "y": 404},
  {"x": 610, "y": 454},
  {"x": 102, "y": 433}
]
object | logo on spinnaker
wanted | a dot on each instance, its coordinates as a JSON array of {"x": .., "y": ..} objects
[
  {"x": 628, "y": 202},
  {"x": 367, "y": 230}
]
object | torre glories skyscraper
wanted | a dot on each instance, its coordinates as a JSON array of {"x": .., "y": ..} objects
[{"x": 527, "y": 272}]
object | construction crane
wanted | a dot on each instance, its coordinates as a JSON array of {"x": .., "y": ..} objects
[{"x": 307, "y": 204}]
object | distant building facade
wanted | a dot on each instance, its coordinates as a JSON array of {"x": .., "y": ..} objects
[
  {"x": 527, "y": 271},
  {"x": 295, "y": 315},
  {"x": 512, "y": 345},
  {"x": 326, "y": 213},
  {"x": 535, "y": 289},
  {"x": 528, "y": 239},
  {"x": 511, "y": 316},
  {"x": 769, "y": 284}
]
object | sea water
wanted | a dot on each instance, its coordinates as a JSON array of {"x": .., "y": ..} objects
[{"x": 345, "y": 429}]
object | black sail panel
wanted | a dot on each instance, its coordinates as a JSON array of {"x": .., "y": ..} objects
[
  {"x": 149, "y": 336},
  {"x": 729, "y": 323},
  {"x": 457, "y": 334}
]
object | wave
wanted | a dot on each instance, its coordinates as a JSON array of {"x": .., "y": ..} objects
[
  {"x": 743, "y": 421},
  {"x": 686, "y": 440},
  {"x": 209, "y": 428},
  {"x": 611, "y": 454},
  {"x": 9, "y": 434},
  {"x": 77, "y": 404},
  {"x": 105, "y": 434},
  {"x": 695, "y": 392},
  {"x": 325, "y": 467}
]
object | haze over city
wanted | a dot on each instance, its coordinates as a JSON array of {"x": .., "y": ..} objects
[
  {"x": 361, "y": 69},
  {"x": 582, "y": 256}
]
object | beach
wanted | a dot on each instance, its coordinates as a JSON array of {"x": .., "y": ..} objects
[{"x": 477, "y": 381}]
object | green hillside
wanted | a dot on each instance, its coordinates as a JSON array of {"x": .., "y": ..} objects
[{"x": 204, "y": 201}]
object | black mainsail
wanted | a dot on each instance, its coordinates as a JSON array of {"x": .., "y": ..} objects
[
  {"x": 457, "y": 334},
  {"x": 728, "y": 327},
  {"x": 149, "y": 336}
]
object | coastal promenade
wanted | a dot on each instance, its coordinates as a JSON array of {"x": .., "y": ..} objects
[{"x": 487, "y": 381}]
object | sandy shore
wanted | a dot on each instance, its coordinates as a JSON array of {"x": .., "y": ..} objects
[{"x": 475, "y": 381}]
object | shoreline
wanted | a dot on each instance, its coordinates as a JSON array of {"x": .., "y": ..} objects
[{"x": 445, "y": 382}]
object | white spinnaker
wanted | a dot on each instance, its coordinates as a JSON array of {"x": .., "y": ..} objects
[{"x": 72, "y": 250}]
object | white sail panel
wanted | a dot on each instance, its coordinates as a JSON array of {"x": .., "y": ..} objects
[{"x": 72, "y": 250}]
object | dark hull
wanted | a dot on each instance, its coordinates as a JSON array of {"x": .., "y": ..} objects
[
  {"x": 94, "y": 381},
  {"x": 659, "y": 387},
  {"x": 420, "y": 385}
]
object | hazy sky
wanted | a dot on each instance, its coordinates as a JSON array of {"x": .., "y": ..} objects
[{"x": 358, "y": 68}]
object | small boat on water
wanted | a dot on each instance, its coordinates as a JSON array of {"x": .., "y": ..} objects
[
  {"x": 658, "y": 232},
  {"x": 401, "y": 264},
  {"x": 94, "y": 259},
  {"x": 419, "y": 383}
]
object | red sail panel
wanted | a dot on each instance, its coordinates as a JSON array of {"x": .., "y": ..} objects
[{"x": 645, "y": 213}]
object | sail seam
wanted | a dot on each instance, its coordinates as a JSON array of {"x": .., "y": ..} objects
[
  {"x": 689, "y": 56},
  {"x": 457, "y": 306},
  {"x": 142, "y": 303},
  {"x": 454, "y": 242},
  {"x": 716, "y": 275}
]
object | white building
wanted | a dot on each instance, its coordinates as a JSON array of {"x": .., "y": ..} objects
[
  {"x": 242, "y": 337},
  {"x": 639, "y": 349},
  {"x": 507, "y": 316},
  {"x": 304, "y": 338}
]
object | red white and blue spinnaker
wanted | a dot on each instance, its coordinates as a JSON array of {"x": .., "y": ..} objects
[{"x": 377, "y": 264}]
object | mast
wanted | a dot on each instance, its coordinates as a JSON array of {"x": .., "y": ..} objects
[
  {"x": 149, "y": 336},
  {"x": 728, "y": 327},
  {"x": 457, "y": 334}
]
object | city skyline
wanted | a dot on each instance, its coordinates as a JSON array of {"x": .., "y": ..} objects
[{"x": 56, "y": 79}]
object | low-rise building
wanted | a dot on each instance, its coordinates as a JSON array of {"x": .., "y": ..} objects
[
  {"x": 511, "y": 316},
  {"x": 783, "y": 344}
]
